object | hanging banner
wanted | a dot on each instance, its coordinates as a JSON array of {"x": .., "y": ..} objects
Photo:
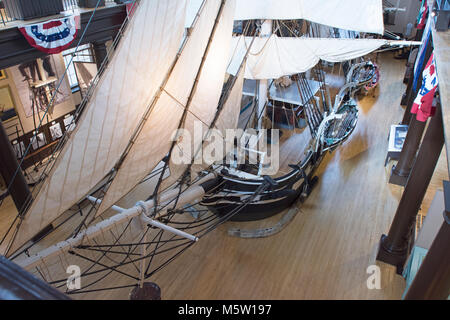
[
  {"x": 52, "y": 36},
  {"x": 422, "y": 17},
  {"x": 86, "y": 72},
  {"x": 423, "y": 104},
  {"x": 131, "y": 8}
]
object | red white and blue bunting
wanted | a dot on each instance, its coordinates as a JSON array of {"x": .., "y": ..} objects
[
  {"x": 52, "y": 36},
  {"x": 423, "y": 104}
]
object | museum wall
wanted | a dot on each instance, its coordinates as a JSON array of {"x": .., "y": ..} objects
[
  {"x": 403, "y": 18},
  {"x": 20, "y": 95}
]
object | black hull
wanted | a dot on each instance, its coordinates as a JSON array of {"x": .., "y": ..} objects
[
  {"x": 270, "y": 202},
  {"x": 258, "y": 211}
]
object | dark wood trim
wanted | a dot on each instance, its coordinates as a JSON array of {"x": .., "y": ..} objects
[
  {"x": 432, "y": 281},
  {"x": 14, "y": 48},
  {"x": 14, "y": 179},
  {"x": 394, "y": 247}
]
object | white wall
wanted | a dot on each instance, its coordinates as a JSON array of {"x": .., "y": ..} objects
[{"x": 403, "y": 18}]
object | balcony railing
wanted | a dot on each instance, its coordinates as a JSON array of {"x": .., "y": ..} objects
[{"x": 12, "y": 10}]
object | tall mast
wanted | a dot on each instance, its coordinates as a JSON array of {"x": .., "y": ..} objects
[{"x": 263, "y": 85}]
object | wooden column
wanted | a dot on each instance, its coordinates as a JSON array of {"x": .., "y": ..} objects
[
  {"x": 402, "y": 169},
  {"x": 400, "y": 172},
  {"x": 394, "y": 247},
  {"x": 19, "y": 190},
  {"x": 407, "y": 96},
  {"x": 432, "y": 281}
]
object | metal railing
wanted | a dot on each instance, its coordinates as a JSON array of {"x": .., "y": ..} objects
[{"x": 12, "y": 10}]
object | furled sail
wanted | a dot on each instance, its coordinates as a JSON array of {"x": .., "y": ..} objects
[
  {"x": 135, "y": 72},
  {"x": 355, "y": 15},
  {"x": 154, "y": 141},
  {"x": 274, "y": 57}
]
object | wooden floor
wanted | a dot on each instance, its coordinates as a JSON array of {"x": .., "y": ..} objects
[{"x": 325, "y": 251}]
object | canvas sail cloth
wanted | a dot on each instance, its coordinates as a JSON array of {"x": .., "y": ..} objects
[
  {"x": 134, "y": 74},
  {"x": 154, "y": 141},
  {"x": 86, "y": 72},
  {"x": 206, "y": 99},
  {"x": 227, "y": 118},
  {"x": 274, "y": 57},
  {"x": 355, "y": 15}
]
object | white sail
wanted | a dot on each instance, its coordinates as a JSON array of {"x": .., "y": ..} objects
[
  {"x": 355, "y": 15},
  {"x": 274, "y": 57},
  {"x": 134, "y": 74},
  {"x": 154, "y": 141},
  {"x": 192, "y": 8},
  {"x": 227, "y": 118},
  {"x": 205, "y": 101}
]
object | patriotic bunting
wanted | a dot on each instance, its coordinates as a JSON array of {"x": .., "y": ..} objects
[
  {"x": 52, "y": 36},
  {"x": 422, "y": 106}
]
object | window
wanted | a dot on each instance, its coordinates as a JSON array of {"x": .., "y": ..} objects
[{"x": 83, "y": 54}]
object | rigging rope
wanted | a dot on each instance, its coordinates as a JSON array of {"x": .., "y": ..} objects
[{"x": 66, "y": 135}]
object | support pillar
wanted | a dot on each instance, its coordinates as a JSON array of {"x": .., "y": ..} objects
[
  {"x": 19, "y": 190},
  {"x": 400, "y": 172},
  {"x": 100, "y": 52},
  {"x": 432, "y": 281},
  {"x": 407, "y": 96},
  {"x": 263, "y": 85},
  {"x": 394, "y": 247}
]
